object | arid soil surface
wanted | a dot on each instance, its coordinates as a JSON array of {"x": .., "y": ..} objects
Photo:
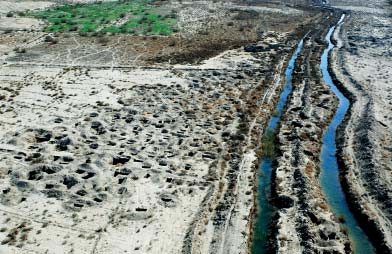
[
  {"x": 119, "y": 143},
  {"x": 363, "y": 63}
]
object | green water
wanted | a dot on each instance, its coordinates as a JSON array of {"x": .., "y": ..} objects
[{"x": 265, "y": 209}]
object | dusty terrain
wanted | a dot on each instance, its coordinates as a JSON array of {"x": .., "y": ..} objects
[
  {"x": 108, "y": 146},
  {"x": 121, "y": 143},
  {"x": 363, "y": 64}
]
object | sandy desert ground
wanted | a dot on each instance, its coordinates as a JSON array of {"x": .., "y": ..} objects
[
  {"x": 131, "y": 143},
  {"x": 363, "y": 64},
  {"x": 105, "y": 151}
]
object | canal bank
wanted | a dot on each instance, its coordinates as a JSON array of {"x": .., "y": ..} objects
[
  {"x": 330, "y": 169},
  {"x": 264, "y": 208},
  {"x": 302, "y": 221}
]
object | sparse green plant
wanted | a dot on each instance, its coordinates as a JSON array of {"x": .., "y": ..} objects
[
  {"x": 342, "y": 218},
  {"x": 20, "y": 50},
  {"x": 275, "y": 113},
  {"x": 344, "y": 229},
  {"x": 268, "y": 143},
  {"x": 23, "y": 237},
  {"x": 95, "y": 16}
]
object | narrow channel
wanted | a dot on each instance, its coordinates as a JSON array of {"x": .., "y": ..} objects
[
  {"x": 329, "y": 167},
  {"x": 265, "y": 209}
]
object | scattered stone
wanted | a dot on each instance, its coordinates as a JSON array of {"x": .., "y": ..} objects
[
  {"x": 81, "y": 192},
  {"x": 123, "y": 171},
  {"x": 68, "y": 159},
  {"x": 283, "y": 201},
  {"x": 89, "y": 175},
  {"x": 58, "y": 120},
  {"x": 34, "y": 175},
  {"x": 120, "y": 159},
  {"x": 167, "y": 200},
  {"x": 122, "y": 190},
  {"x": 42, "y": 135},
  {"x": 22, "y": 184},
  {"x": 98, "y": 127},
  {"x": 254, "y": 48},
  {"x": 122, "y": 180},
  {"x": 69, "y": 181},
  {"x": 48, "y": 169},
  {"x": 146, "y": 165},
  {"x": 93, "y": 146},
  {"x": 52, "y": 193},
  {"x": 63, "y": 143},
  {"x": 162, "y": 163}
]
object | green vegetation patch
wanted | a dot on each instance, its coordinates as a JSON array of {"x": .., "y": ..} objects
[
  {"x": 140, "y": 18},
  {"x": 268, "y": 143}
]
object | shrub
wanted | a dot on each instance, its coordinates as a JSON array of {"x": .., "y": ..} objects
[
  {"x": 344, "y": 229},
  {"x": 103, "y": 40},
  {"x": 89, "y": 17},
  {"x": 73, "y": 29},
  {"x": 20, "y": 50},
  {"x": 342, "y": 218},
  {"x": 268, "y": 143},
  {"x": 49, "y": 38}
]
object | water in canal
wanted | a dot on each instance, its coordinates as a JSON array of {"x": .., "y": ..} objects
[
  {"x": 329, "y": 167},
  {"x": 265, "y": 209}
]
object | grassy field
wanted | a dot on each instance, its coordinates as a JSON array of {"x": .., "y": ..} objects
[{"x": 133, "y": 16}]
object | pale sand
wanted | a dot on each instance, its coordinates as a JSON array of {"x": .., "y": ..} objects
[
  {"x": 363, "y": 63},
  {"x": 14, "y": 6}
]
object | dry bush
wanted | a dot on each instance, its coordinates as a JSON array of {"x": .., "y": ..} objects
[
  {"x": 322, "y": 205},
  {"x": 309, "y": 169}
]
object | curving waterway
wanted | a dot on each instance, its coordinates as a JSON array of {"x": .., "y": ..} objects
[
  {"x": 329, "y": 166},
  {"x": 265, "y": 209}
]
